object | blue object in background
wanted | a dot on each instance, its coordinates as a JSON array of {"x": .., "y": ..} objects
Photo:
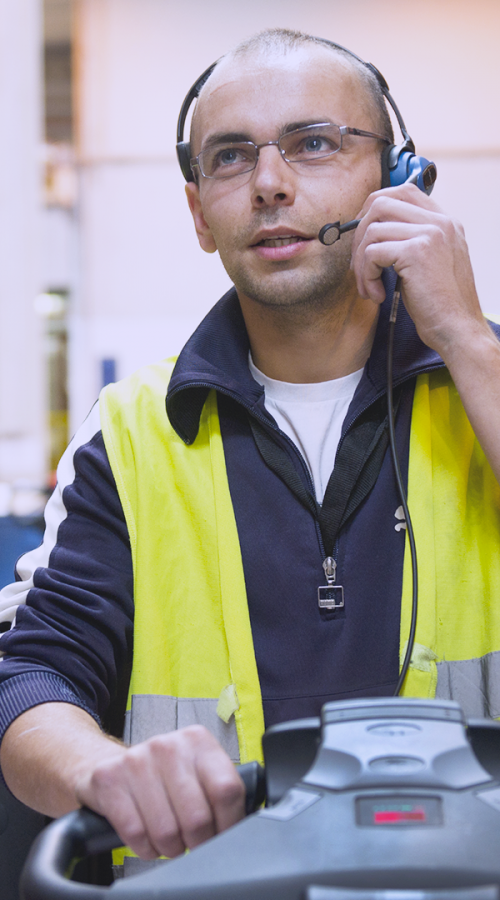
[
  {"x": 19, "y": 825},
  {"x": 108, "y": 371},
  {"x": 18, "y": 534}
]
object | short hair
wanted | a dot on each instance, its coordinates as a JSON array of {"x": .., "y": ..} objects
[{"x": 286, "y": 40}]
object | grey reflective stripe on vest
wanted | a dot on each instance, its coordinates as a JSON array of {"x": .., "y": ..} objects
[
  {"x": 133, "y": 866},
  {"x": 473, "y": 683},
  {"x": 151, "y": 714}
]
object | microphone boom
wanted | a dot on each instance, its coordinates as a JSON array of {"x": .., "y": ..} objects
[{"x": 331, "y": 232}]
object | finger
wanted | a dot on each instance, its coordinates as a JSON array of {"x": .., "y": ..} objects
[
  {"x": 161, "y": 827},
  {"x": 391, "y": 231},
  {"x": 209, "y": 797},
  {"x": 391, "y": 220},
  {"x": 108, "y": 792},
  {"x": 388, "y": 220},
  {"x": 167, "y": 794},
  {"x": 154, "y": 831},
  {"x": 386, "y": 244},
  {"x": 224, "y": 789},
  {"x": 405, "y": 193},
  {"x": 174, "y": 761},
  {"x": 376, "y": 258}
]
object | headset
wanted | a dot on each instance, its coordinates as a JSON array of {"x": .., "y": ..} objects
[{"x": 400, "y": 162}]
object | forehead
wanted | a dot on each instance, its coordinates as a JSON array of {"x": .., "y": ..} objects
[{"x": 260, "y": 95}]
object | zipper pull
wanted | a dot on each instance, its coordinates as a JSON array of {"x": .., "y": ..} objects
[
  {"x": 329, "y": 568},
  {"x": 330, "y": 595}
]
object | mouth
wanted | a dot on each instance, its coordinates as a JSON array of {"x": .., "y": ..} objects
[
  {"x": 280, "y": 241},
  {"x": 279, "y": 244}
]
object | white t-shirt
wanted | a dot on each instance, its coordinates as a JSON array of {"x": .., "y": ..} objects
[{"x": 312, "y": 416}]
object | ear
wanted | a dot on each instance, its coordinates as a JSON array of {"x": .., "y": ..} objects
[{"x": 205, "y": 237}]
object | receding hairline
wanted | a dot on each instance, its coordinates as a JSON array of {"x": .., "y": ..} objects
[{"x": 282, "y": 41}]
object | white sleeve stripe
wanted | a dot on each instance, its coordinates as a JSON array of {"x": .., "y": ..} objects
[{"x": 55, "y": 512}]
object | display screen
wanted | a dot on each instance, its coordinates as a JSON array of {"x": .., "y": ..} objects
[{"x": 399, "y": 810}]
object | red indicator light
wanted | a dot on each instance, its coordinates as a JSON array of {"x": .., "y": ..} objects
[{"x": 395, "y": 816}]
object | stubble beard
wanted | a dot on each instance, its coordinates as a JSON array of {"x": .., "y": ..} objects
[{"x": 294, "y": 293}]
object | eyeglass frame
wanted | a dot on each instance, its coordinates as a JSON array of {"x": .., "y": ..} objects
[{"x": 343, "y": 129}]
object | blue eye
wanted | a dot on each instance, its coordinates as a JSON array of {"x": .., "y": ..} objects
[
  {"x": 311, "y": 143},
  {"x": 230, "y": 159},
  {"x": 227, "y": 156},
  {"x": 314, "y": 144}
]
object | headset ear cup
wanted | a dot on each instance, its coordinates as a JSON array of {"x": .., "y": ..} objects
[
  {"x": 184, "y": 157},
  {"x": 386, "y": 174}
]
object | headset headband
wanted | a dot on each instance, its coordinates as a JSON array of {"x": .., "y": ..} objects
[{"x": 392, "y": 153}]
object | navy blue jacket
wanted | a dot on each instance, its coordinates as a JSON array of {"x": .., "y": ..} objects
[{"x": 73, "y": 633}]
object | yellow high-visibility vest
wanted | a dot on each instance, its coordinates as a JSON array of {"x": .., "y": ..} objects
[{"x": 194, "y": 658}]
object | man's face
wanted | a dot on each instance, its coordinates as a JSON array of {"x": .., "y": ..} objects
[{"x": 265, "y": 223}]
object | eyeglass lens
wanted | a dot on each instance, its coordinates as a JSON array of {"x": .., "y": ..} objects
[{"x": 224, "y": 160}]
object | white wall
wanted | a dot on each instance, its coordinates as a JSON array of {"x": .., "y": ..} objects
[
  {"x": 144, "y": 282},
  {"x": 22, "y": 413}
]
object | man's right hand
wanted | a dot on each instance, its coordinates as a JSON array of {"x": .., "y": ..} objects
[
  {"x": 163, "y": 796},
  {"x": 168, "y": 794}
]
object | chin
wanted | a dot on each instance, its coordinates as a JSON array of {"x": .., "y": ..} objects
[
  {"x": 293, "y": 293},
  {"x": 299, "y": 287}
]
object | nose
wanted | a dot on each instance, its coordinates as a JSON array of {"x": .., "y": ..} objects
[{"x": 273, "y": 179}]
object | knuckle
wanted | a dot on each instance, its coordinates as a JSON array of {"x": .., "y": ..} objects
[
  {"x": 378, "y": 205},
  {"x": 372, "y": 253},
  {"x": 457, "y": 233},
  {"x": 197, "y": 733},
  {"x": 421, "y": 248},
  {"x": 135, "y": 833},
  {"x": 168, "y": 839},
  {"x": 161, "y": 746},
  {"x": 139, "y": 843},
  {"x": 178, "y": 743},
  {"x": 172, "y": 848},
  {"x": 197, "y": 826},
  {"x": 167, "y": 833},
  {"x": 135, "y": 760},
  {"x": 165, "y": 752},
  {"x": 373, "y": 232},
  {"x": 227, "y": 791},
  {"x": 448, "y": 228}
]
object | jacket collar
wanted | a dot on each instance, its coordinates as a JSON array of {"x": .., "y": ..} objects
[{"x": 216, "y": 356}]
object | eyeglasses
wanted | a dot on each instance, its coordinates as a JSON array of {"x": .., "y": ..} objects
[{"x": 309, "y": 145}]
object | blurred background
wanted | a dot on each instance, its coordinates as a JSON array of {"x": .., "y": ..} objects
[{"x": 100, "y": 271}]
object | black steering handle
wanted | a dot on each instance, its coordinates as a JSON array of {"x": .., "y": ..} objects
[
  {"x": 56, "y": 850},
  {"x": 85, "y": 833}
]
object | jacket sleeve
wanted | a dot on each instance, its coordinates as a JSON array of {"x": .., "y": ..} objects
[{"x": 70, "y": 611}]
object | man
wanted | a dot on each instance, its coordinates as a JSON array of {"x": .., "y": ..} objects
[{"x": 214, "y": 514}]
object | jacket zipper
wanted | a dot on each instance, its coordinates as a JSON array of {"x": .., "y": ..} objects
[{"x": 326, "y": 565}]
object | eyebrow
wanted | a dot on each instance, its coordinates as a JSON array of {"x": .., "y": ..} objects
[
  {"x": 294, "y": 126},
  {"x": 227, "y": 137},
  {"x": 237, "y": 137}
]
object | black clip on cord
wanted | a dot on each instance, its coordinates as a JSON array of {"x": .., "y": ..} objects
[{"x": 328, "y": 235}]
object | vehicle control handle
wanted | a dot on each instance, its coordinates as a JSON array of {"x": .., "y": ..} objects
[
  {"x": 57, "y": 848},
  {"x": 85, "y": 833}
]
